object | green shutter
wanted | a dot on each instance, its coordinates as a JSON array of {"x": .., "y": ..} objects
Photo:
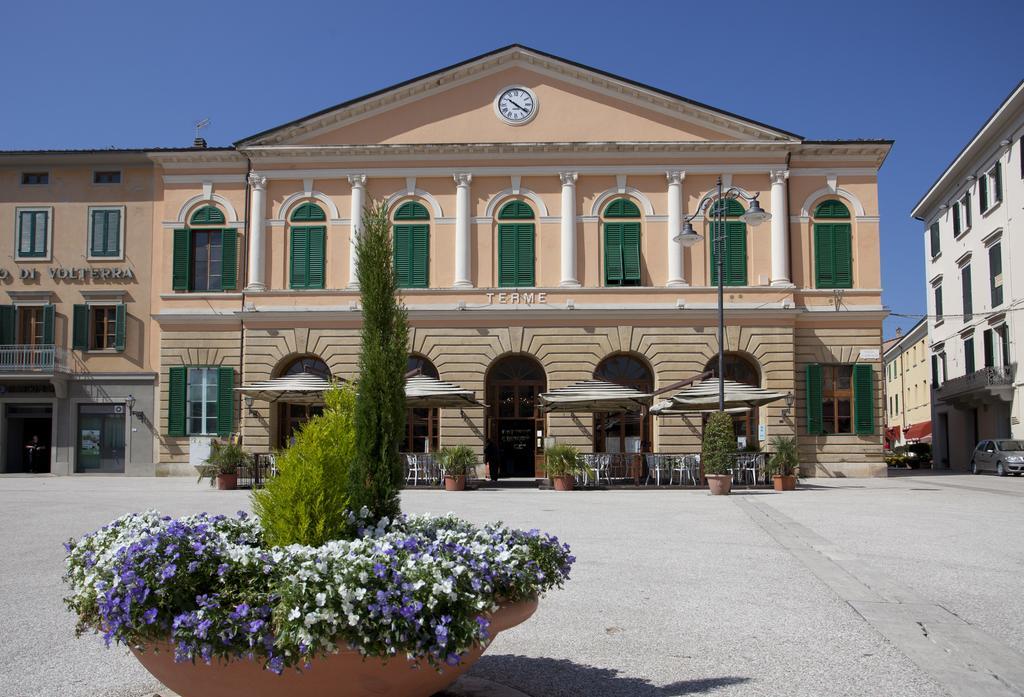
[
  {"x": 229, "y": 259},
  {"x": 80, "y": 328},
  {"x": 983, "y": 193},
  {"x": 824, "y": 256},
  {"x": 176, "y": 382},
  {"x": 988, "y": 347},
  {"x": 225, "y": 400},
  {"x": 516, "y": 210},
  {"x": 507, "y": 258},
  {"x": 7, "y": 325},
  {"x": 49, "y": 314},
  {"x": 715, "y": 244},
  {"x": 309, "y": 212},
  {"x": 98, "y": 242},
  {"x": 207, "y": 215},
  {"x": 119, "y": 326},
  {"x": 419, "y": 265},
  {"x": 815, "y": 421},
  {"x": 411, "y": 210},
  {"x": 622, "y": 208},
  {"x": 613, "y": 254},
  {"x": 863, "y": 399},
  {"x": 631, "y": 253},
  {"x": 181, "y": 260},
  {"x": 299, "y": 257},
  {"x": 735, "y": 254},
  {"x": 524, "y": 253},
  {"x": 831, "y": 209},
  {"x": 935, "y": 240},
  {"x": 997, "y": 176},
  {"x": 317, "y": 251},
  {"x": 733, "y": 208},
  {"x": 402, "y": 253}
]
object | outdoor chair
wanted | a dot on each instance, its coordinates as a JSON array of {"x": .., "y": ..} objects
[
  {"x": 600, "y": 464},
  {"x": 688, "y": 467},
  {"x": 655, "y": 464},
  {"x": 414, "y": 469}
]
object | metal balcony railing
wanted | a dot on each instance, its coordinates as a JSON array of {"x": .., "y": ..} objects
[
  {"x": 42, "y": 359},
  {"x": 979, "y": 379}
]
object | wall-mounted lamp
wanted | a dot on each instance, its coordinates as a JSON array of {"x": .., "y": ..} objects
[
  {"x": 790, "y": 399},
  {"x": 248, "y": 405}
]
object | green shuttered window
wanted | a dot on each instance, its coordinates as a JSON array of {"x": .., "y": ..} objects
[
  {"x": 834, "y": 393},
  {"x": 308, "y": 251},
  {"x": 935, "y": 239},
  {"x": 833, "y": 246},
  {"x": 105, "y": 232},
  {"x": 8, "y": 327},
  {"x": 734, "y": 262},
  {"x": 814, "y": 403},
  {"x": 622, "y": 244},
  {"x": 864, "y": 399},
  {"x": 98, "y": 327},
  {"x": 515, "y": 246},
  {"x": 207, "y": 215},
  {"x": 200, "y": 401},
  {"x": 176, "y": 377},
  {"x": 204, "y": 259},
  {"x": 33, "y": 231},
  {"x": 411, "y": 249}
]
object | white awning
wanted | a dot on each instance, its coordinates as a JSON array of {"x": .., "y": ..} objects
[
  {"x": 669, "y": 408},
  {"x": 703, "y": 396},
  {"x": 425, "y": 392},
  {"x": 302, "y": 388},
  {"x": 594, "y": 396}
]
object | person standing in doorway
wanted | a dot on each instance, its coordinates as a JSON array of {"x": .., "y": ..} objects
[
  {"x": 491, "y": 459},
  {"x": 33, "y": 453}
]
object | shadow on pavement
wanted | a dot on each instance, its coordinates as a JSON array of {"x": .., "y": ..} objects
[{"x": 549, "y": 677}]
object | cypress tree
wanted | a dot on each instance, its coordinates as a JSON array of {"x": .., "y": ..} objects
[{"x": 376, "y": 472}]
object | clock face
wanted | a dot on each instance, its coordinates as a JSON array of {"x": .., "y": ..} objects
[{"x": 516, "y": 105}]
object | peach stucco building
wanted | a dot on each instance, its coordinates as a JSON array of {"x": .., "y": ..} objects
[{"x": 536, "y": 205}]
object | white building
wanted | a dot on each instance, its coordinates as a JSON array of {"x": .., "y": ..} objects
[{"x": 973, "y": 226}]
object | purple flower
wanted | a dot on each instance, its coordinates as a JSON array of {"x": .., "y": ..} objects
[
  {"x": 168, "y": 572},
  {"x": 149, "y": 615}
]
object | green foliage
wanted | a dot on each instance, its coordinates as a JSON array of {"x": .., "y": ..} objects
[
  {"x": 225, "y": 458},
  {"x": 562, "y": 461},
  {"x": 376, "y": 472},
  {"x": 305, "y": 502},
  {"x": 785, "y": 457},
  {"x": 457, "y": 460},
  {"x": 718, "y": 451}
]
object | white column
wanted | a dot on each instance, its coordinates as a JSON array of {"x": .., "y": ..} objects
[
  {"x": 780, "y": 229},
  {"x": 257, "y": 228},
  {"x": 676, "y": 276},
  {"x": 358, "y": 182},
  {"x": 462, "y": 236},
  {"x": 569, "y": 279}
]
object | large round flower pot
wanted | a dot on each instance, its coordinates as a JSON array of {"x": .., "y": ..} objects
[
  {"x": 719, "y": 484},
  {"x": 227, "y": 481},
  {"x": 563, "y": 483},
  {"x": 783, "y": 482},
  {"x": 455, "y": 483},
  {"x": 344, "y": 674}
]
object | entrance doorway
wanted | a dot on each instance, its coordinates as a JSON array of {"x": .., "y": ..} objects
[
  {"x": 515, "y": 425},
  {"x": 618, "y": 432},
  {"x": 739, "y": 369},
  {"x": 292, "y": 415},
  {"x": 28, "y": 429}
]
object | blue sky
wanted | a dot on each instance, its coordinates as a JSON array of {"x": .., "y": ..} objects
[{"x": 139, "y": 74}]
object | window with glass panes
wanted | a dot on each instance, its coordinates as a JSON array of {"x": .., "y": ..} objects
[
  {"x": 837, "y": 398},
  {"x": 33, "y": 229},
  {"x": 201, "y": 405},
  {"x": 31, "y": 325},
  {"x": 206, "y": 260},
  {"x": 205, "y": 256},
  {"x": 104, "y": 327}
]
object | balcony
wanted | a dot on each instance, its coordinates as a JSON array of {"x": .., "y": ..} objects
[
  {"x": 979, "y": 387},
  {"x": 28, "y": 360}
]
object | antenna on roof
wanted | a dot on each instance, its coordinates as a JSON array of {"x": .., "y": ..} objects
[{"x": 199, "y": 141}]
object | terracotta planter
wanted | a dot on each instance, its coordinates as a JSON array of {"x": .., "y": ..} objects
[
  {"x": 783, "y": 482},
  {"x": 455, "y": 483},
  {"x": 563, "y": 483},
  {"x": 719, "y": 484},
  {"x": 344, "y": 674},
  {"x": 227, "y": 481}
]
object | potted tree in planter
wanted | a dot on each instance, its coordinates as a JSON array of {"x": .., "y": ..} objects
[
  {"x": 330, "y": 591},
  {"x": 562, "y": 463},
  {"x": 783, "y": 463},
  {"x": 718, "y": 453},
  {"x": 456, "y": 461},
  {"x": 223, "y": 464}
]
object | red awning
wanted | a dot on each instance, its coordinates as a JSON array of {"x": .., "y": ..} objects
[{"x": 919, "y": 431}]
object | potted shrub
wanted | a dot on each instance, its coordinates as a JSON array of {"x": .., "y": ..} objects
[
  {"x": 330, "y": 590},
  {"x": 562, "y": 463},
  {"x": 783, "y": 463},
  {"x": 718, "y": 453},
  {"x": 456, "y": 462},
  {"x": 221, "y": 467}
]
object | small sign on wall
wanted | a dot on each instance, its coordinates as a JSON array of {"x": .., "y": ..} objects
[
  {"x": 870, "y": 354},
  {"x": 762, "y": 432}
]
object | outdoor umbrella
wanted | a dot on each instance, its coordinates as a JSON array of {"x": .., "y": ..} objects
[
  {"x": 703, "y": 396},
  {"x": 425, "y": 392},
  {"x": 594, "y": 396},
  {"x": 301, "y": 388}
]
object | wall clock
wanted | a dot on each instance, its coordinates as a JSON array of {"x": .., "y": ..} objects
[{"x": 516, "y": 105}]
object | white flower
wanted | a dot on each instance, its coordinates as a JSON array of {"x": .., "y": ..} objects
[
  {"x": 321, "y": 599},
  {"x": 295, "y": 614}
]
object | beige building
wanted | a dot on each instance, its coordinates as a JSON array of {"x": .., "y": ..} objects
[
  {"x": 908, "y": 403},
  {"x": 536, "y": 207}
]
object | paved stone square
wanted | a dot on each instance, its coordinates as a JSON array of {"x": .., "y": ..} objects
[{"x": 901, "y": 586}]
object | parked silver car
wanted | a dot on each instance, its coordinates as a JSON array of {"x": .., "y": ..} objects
[{"x": 1000, "y": 456}]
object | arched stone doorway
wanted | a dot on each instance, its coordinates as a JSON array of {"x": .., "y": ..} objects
[
  {"x": 422, "y": 426},
  {"x": 739, "y": 368},
  {"x": 291, "y": 415},
  {"x": 618, "y": 432},
  {"x": 515, "y": 424}
]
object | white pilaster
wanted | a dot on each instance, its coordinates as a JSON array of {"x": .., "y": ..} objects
[
  {"x": 780, "y": 229},
  {"x": 676, "y": 276},
  {"x": 462, "y": 236},
  {"x": 569, "y": 279},
  {"x": 257, "y": 227},
  {"x": 358, "y": 182}
]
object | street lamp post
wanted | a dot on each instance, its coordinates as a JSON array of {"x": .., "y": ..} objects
[{"x": 753, "y": 216}]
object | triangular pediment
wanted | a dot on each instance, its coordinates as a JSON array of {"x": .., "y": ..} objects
[{"x": 574, "y": 103}]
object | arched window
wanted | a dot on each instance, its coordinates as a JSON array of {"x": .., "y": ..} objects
[
  {"x": 622, "y": 243},
  {"x": 833, "y": 245},
  {"x": 204, "y": 255},
  {"x": 618, "y": 432},
  {"x": 412, "y": 245},
  {"x": 739, "y": 369},
  {"x": 308, "y": 247},
  {"x": 515, "y": 245},
  {"x": 422, "y": 426},
  {"x": 515, "y": 424},
  {"x": 733, "y": 242},
  {"x": 292, "y": 415},
  {"x": 308, "y": 365}
]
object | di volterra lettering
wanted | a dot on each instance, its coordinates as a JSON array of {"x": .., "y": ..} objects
[{"x": 73, "y": 274}]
